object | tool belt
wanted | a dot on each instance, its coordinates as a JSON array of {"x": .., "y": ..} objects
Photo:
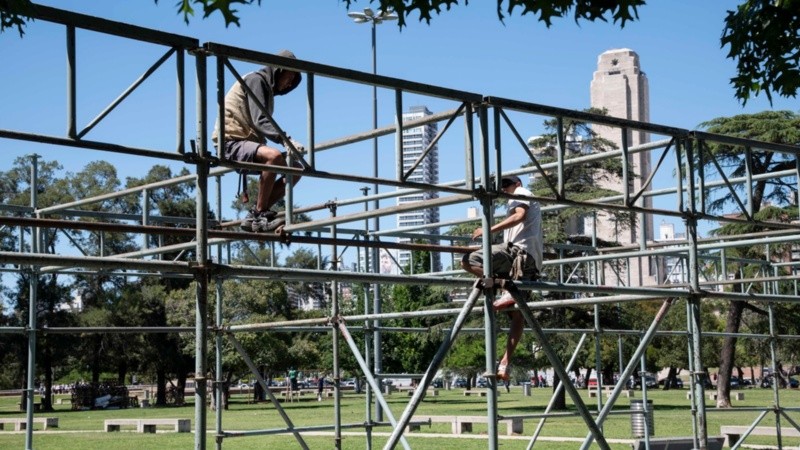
[{"x": 522, "y": 266}]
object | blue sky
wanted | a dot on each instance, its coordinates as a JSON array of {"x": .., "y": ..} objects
[{"x": 466, "y": 48}]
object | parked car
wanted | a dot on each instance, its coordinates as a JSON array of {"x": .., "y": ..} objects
[
  {"x": 793, "y": 383},
  {"x": 438, "y": 383},
  {"x": 636, "y": 383},
  {"x": 482, "y": 382},
  {"x": 460, "y": 383},
  {"x": 676, "y": 383}
]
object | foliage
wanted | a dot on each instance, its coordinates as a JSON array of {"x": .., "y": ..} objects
[
  {"x": 763, "y": 38},
  {"x": 581, "y": 181},
  {"x": 14, "y": 13},
  {"x": 780, "y": 127},
  {"x": 770, "y": 199},
  {"x": 762, "y": 35}
]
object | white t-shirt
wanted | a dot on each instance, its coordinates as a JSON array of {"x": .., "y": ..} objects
[{"x": 528, "y": 233}]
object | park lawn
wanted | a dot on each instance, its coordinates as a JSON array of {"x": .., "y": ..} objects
[{"x": 84, "y": 429}]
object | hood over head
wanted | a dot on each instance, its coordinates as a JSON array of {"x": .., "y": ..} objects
[{"x": 278, "y": 71}]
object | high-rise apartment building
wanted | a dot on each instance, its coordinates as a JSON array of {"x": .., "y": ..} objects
[
  {"x": 620, "y": 86},
  {"x": 415, "y": 141}
]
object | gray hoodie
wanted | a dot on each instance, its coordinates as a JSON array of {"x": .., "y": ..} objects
[{"x": 244, "y": 120}]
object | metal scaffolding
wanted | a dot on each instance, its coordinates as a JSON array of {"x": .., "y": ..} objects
[{"x": 490, "y": 133}]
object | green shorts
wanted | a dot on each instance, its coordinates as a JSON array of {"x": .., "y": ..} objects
[{"x": 502, "y": 259}]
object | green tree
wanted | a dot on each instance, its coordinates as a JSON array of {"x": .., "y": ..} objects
[
  {"x": 762, "y": 35},
  {"x": 170, "y": 206},
  {"x": 51, "y": 292},
  {"x": 781, "y": 127},
  {"x": 671, "y": 351},
  {"x": 99, "y": 290}
]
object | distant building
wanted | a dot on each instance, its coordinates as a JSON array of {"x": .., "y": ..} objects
[
  {"x": 415, "y": 141},
  {"x": 621, "y": 87},
  {"x": 671, "y": 269},
  {"x": 317, "y": 295}
]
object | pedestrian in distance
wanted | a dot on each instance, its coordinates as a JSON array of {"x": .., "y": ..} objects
[
  {"x": 293, "y": 379},
  {"x": 518, "y": 257},
  {"x": 320, "y": 387},
  {"x": 249, "y": 127}
]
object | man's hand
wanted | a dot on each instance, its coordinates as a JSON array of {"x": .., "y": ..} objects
[
  {"x": 298, "y": 146},
  {"x": 477, "y": 233}
]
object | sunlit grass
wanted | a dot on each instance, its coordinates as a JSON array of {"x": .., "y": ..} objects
[{"x": 673, "y": 417}]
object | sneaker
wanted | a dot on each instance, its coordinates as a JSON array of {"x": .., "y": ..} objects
[{"x": 256, "y": 221}]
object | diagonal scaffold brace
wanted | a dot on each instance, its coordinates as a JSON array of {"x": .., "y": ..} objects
[
  {"x": 427, "y": 378},
  {"x": 555, "y": 361}
]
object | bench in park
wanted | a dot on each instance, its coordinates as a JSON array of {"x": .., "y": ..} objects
[
  {"x": 732, "y": 433},
  {"x": 463, "y": 424},
  {"x": 678, "y": 443},
  {"x": 431, "y": 391},
  {"x": 149, "y": 425},
  {"x": 479, "y": 393},
  {"x": 37, "y": 407},
  {"x": 608, "y": 390},
  {"x": 22, "y": 423},
  {"x": 415, "y": 426}
]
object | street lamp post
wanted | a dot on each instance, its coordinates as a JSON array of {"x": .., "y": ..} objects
[{"x": 369, "y": 16}]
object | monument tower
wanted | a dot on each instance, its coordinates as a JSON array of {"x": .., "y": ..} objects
[{"x": 620, "y": 86}]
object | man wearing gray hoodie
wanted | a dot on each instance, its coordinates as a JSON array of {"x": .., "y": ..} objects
[{"x": 247, "y": 130}]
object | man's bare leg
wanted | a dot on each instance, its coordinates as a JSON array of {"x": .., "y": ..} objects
[
  {"x": 279, "y": 190},
  {"x": 269, "y": 156},
  {"x": 514, "y": 336}
]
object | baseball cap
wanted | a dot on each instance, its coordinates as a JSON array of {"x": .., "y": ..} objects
[{"x": 510, "y": 179}]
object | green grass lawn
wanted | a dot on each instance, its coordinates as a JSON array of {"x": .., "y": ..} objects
[{"x": 84, "y": 429}]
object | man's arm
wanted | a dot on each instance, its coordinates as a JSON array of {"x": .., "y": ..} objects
[
  {"x": 516, "y": 217},
  {"x": 261, "y": 121}
]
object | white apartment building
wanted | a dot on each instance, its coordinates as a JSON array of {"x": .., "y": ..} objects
[{"x": 415, "y": 141}]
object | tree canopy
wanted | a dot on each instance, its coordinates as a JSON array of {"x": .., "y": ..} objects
[{"x": 762, "y": 36}]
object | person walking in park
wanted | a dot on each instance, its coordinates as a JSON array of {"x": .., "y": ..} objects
[
  {"x": 320, "y": 387},
  {"x": 247, "y": 129},
  {"x": 518, "y": 257},
  {"x": 293, "y": 379}
]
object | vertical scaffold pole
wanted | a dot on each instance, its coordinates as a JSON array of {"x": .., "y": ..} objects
[
  {"x": 489, "y": 317},
  {"x": 71, "y": 89},
  {"x": 337, "y": 405},
  {"x": 218, "y": 339},
  {"x": 201, "y": 276},
  {"x": 773, "y": 342},
  {"x": 181, "y": 101},
  {"x": 694, "y": 297},
  {"x": 33, "y": 284}
]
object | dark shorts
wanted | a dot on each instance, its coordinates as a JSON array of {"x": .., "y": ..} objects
[
  {"x": 241, "y": 151},
  {"x": 245, "y": 151},
  {"x": 502, "y": 259}
]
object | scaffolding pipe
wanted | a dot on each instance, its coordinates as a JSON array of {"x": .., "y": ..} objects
[{"x": 438, "y": 358}]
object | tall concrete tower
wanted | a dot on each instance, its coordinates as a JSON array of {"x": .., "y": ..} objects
[{"x": 620, "y": 86}]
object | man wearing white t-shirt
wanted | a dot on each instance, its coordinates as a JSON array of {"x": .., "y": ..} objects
[{"x": 523, "y": 242}]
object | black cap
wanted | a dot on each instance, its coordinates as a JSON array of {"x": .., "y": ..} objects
[{"x": 510, "y": 179}]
